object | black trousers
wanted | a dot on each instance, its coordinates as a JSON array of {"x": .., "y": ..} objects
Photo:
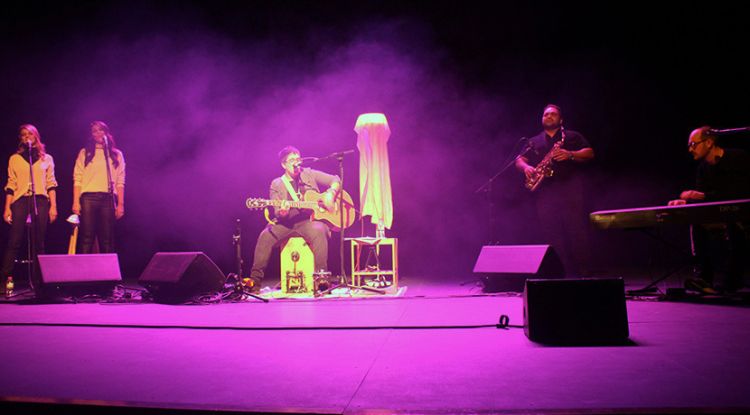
[
  {"x": 20, "y": 210},
  {"x": 565, "y": 225},
  {"x": 97, "y": 221},
  {"x": 710, "y": 243},
  {"x": 316, "y": 234}
]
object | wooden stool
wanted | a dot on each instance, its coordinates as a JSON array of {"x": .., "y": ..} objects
[
  {"x": 297, "y": 266},
  {"x": 360, "y": 270}
]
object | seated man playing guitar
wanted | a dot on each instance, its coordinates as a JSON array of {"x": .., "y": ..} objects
[{"x": 289, "y": 189}]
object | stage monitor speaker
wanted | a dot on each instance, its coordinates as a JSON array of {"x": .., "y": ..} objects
[
  {"x": 575, "y": 311},
  {"x": 78, "y": 275},
  {"x": 507, "y": 267},
  {"x": 175, "y": 277}
]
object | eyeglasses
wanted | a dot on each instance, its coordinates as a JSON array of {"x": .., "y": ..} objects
[
  {"x": 294, "y": 160},
  {"x": 694, "y": 144}
]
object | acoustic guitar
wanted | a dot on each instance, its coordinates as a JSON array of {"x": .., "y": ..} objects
[{"x": 314, "y": 201}]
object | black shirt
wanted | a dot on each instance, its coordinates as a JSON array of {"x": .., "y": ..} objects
[
  {"x": 308, "y": 179},
  {"x": 541, "y": 144},
  {"x": 727, "y": 179}
]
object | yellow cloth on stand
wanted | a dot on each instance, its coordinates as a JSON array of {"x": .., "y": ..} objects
[{"x": 374, "y": 172}]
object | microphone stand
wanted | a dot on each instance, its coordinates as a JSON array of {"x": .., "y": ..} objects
[
  {"x": 343, "y": 279},
  {"x": 33, "y": 221},
  {"x": 487, "y": 186},
  {"x": 726, "y": 131},
  {"x": 340, "y": 158},
  {"x": 110, "y": 185},
  {"x": 237, "y": 242}
]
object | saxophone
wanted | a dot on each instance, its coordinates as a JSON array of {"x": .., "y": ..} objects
[{"x": 544, "y": 168}]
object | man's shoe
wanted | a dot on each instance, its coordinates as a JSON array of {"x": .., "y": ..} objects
[
  {"x": 700, "y": 285},
  {"x": 252, "y": 285},
  {"x": 9, "y": 286}
]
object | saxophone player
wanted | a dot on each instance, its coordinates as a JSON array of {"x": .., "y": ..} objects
[{"x": 553, "y": 166}]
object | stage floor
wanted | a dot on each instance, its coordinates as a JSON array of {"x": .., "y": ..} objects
[{"x": 434, "y": 350}]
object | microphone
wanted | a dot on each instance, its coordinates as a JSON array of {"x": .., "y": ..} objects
[{"x": 237, "y": 230}]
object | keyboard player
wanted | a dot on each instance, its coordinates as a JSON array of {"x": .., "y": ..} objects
[{"x": 722, "y": 174}]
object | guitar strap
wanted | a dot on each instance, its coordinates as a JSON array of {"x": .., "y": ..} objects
[
  {"x": 292, "y": 193},
  {"x": 289, "y": 188}
]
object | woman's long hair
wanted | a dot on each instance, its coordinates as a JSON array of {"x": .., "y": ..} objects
[
  {"x": 91, "y": 145},
  {"x": 37, "y": 149}
]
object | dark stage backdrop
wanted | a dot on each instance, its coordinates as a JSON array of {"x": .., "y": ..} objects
[{"x": 202, "y": 95}]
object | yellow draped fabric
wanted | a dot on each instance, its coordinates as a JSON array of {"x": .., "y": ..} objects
[{"x": 374, "y": 171}]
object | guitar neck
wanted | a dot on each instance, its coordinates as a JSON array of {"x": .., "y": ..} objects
[
  {"x": 313, "y": 201},
  {"x": 302, "y": 204}
]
